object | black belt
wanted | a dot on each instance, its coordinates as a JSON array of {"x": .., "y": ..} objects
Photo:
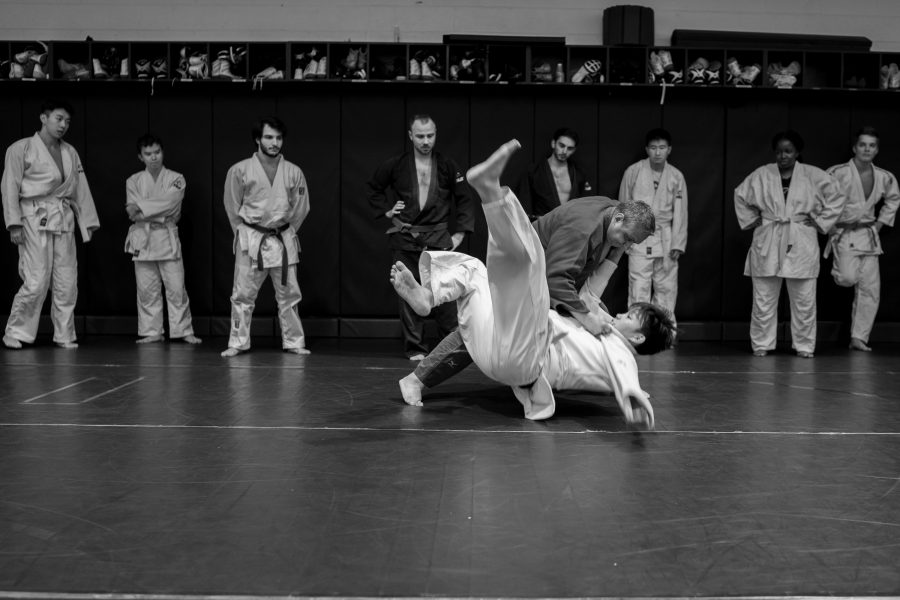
[
  {"x": 414, "y": 230},
  {"x": 267, "y": 233}
]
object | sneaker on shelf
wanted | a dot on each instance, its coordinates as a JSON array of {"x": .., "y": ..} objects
[
  {"x": 16, "y": 71},
  {"x": 160, "y": 68},
  {"x": 733, "y": 70},
  {"x": 72, "y": 70},
  {"x": 426, "y": 73},
  {"x": 322, "y": 68},
  {"x": 38, "y": 72},
  {"x": 415, "y": 69},
  {"x": 237, "y": 54},
  {"x": 713, "y": 73},
  {"x": 309, "y": 72},
  {"x": 542, "y": 71},
  {"x": 221, "y": 67},
  {"x": 99, "y": 71},
  {"x": 749, "y": 74},
  {"x": 433, "y": 65},
  {"x": 587, "y": 70},
  {"x": 893, "y": 76},
  {"x": 362, "y": 64},
  {"x": 697, "y": 71},
  {"x": 124, "y": 73},
  {"x": 665, "y": 59},
  {"x": 142, "y": 68},
  {"x": 197, "y": 66}
]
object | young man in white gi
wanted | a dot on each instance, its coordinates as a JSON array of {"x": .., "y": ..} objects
[
  {"x": 855, "y": 238},
  {"x": 653, "y": 264},
  {"x": 266, "y": 200},
  {"x": 153, "y": 202},
  {"x": 505, "y": 317},
  {"x": 45, "y": 193},
  {"x": 785, "y": 203}
]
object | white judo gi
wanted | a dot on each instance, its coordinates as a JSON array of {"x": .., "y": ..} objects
[
  {"x": 47, "y": 204},
  {"x": 856, "y": 244},
  {"x": 508, "y": 327},
  {"x": 652, "y": 273},
  {"x": 265, "y": 218},
  {"x": 156, "y": 250},
  {"x": 785, "y": 247}
]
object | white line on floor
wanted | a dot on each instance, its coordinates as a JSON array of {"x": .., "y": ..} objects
[
  {"x": 65, "y": 387},
  {"x": 112, "y": 390}
]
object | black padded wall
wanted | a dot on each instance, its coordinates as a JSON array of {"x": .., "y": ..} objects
[{"x": 339, "y": 134}]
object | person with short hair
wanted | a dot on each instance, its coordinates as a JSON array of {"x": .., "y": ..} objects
[
  {"x": 506, "y": 318},
  {"x": 653, "y": 264},
  {"x": 785, "y": 203},
  {"x": 425, "y": 197},
  {"x": 555, "y": 180},
  {"x": 45, "y": 196},
  {"x": 266, "y": 200},
  {"x": 855, "y": 238},
  {"x": 153, "y": 203}
]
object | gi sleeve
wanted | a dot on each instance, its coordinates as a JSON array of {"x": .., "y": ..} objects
[
  {"x": 377, "y": 187},
  {"x": 165, "y": 205},
  {"x": 680, "y": 216},
  {"x": 234, "y": 194},
  {"x": 891, "y": 201},
  {"x": 746, "y": 201},
  {"x": 87, "y": 212},
  {"x": 300, "y": 196},
  {"x": 10, "y": 184},
  {"x": 627, "y": 185},
  {"x": 566, "y": 256},
  {"x": 830, "y": 201}
]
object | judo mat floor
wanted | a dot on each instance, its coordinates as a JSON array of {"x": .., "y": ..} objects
[{"x": 166, "y": 471}]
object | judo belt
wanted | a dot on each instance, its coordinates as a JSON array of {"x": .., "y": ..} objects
[
  {"x": 835, "y": 239},
  {"x": 148, "y": 225},
  {"x": 414, "y": 230},
  {"x": 267, "y": 233}
]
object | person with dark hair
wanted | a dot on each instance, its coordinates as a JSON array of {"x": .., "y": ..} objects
[
  {"x": 554, "y": 180},
  {"x": 266, "y": 200},
  {"x": 506, "y": 319},
  {"x": 785, "y": 203},
  {"x": 153, "y": 200},
  {"x": 45, "y": 193},
  {"x": 425, "y": 197},
  {"x": 855, "y": 237},
  {"x": 653, "y": 264}
]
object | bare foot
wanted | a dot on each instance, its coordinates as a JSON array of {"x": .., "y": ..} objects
[
  {"x": 67, "y": 345},
  {"x": 300, "y": 351},
  {"x": 149, "y": 339},
  {"x": 411, "y": 389},
  {"x": 417, "y": 357},
  {"x": 229, "y": 352},
  {"x": 485, "y": 176},
  {"x": 805, "y": 354},
  {"x": 11, "y": 342},
  {"x": 192, "y": 339},
  {"x": 420, "y": 299},
  {"x": 760, "y": 352},
  {"x": 858, "y": 344}
]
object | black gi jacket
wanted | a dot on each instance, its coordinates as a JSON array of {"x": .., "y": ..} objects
[{"x": 537, "y": 189}]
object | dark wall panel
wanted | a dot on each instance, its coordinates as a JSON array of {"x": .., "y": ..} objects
[
  {"x": 112, "y": 123},
  {"x": 181, "y": 122},
  {"x": 13, "y": 127},
  {"x": 750, "y": 126},
  {"x": 313, "y": 145},
  {"x": 372, "y": 130},
  {"x": 697, "y": 125}
]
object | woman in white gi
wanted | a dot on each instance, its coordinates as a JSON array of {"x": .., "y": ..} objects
[
  {"x": 153, "y": 202},
  {"x": 45, "y": 193},
  {"x": 786, "y": 203},
  {"x": 855, "y": 238},
  {"x": 505, "y": 317}
]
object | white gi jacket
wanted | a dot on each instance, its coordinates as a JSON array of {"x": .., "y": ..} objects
[
  {"x": 250, "y": 198},
  {"x": 669, "y": 202},
  {"x": 155, "y": 235},
  {"x": 32, "y": 186},
  {"x": 784, "y": 241},
  {"x": 854, "y": 224}
]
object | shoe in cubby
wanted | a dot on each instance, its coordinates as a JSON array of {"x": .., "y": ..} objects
[{"x": 590, "y": 71}]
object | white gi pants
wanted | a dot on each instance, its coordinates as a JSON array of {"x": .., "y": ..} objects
[
  {"x": 247, "y": 281},
  {"x": 653, "y": 280},
  {"x": 45, "y": 259},
  {"x": 859, "y": 271},
  {"x": 503, "y": 307},
  {"x": 151, "y": 276},
  {"x": 764, "y": 318}
]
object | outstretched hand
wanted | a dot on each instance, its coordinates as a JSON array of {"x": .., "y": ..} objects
[{"x": 17, "y": 234}]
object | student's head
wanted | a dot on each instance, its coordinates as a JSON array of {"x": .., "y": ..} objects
[
  {"x": 422, "y": 134},
  {"x": 269, "y": 134},
  {"x": 658, "y": 145},
  {"x": 632, "y": 222},
  {"x": 564, "y": 143},
  {"x": 150, "y": 151},
  {"x": 56, "y": 116},
  {"x": 865, "y": 144},
  {"x": 787, "y": 146},
  {"x": 650, "y": 328}
]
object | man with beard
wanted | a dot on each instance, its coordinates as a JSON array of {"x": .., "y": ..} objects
[
  {"x": 44, "y": 193},
  {"x": 426, "y": 199},
  {"x": 266, "y": 200},
  {"x": 555, "y": 180}
]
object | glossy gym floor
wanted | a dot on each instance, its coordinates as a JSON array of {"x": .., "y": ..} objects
[{"x": 165, "y": 471}]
